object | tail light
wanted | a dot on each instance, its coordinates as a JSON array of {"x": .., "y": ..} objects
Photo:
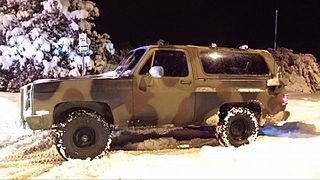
[{"x": 285, "y": 99}]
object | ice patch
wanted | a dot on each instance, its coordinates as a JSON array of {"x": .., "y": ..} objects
[{"x": 291, "y": 129}]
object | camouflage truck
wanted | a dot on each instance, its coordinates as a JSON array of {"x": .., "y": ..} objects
[{"x": 234, "y": 90}]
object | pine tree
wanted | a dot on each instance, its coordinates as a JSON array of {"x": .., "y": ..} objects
[{"x": 38, "y": 39}]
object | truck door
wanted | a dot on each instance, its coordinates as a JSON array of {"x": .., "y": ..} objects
[{"x": 168, "y": 99}]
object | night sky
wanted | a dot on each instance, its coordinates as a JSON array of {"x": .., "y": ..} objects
[{"x": 229, "y": 23}]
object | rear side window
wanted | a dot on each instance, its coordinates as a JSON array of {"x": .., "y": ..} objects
[{"x": 214, "y": 62}]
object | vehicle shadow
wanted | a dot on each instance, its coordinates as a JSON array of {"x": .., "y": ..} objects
[
  {"x": 197, "y": 137},
  {"x": 174, "y": 139},
  {"x": 290, "y": 129}
]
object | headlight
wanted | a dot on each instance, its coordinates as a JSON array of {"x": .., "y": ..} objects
[{"x": 28, "y": 97}]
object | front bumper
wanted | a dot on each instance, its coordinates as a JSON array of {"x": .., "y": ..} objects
[{"x": 36, "y": 122}]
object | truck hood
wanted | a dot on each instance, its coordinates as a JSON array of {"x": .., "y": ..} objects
[
  {"x": 46, "y": 88},
  {"x": 106, "y": 75}
]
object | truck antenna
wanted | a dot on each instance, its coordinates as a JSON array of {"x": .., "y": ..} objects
[
  {"x": 275, "y": 40},
  {"x": 275, "y": 30}
]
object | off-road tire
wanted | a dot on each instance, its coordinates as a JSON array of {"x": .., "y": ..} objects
[
  {"x": 237, "y": 126},
  {"x": 83, "y": 135}
]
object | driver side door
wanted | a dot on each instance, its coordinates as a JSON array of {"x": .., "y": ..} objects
[{"x": 165, "y": 100}]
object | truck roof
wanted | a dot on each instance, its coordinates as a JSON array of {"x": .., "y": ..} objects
[{"x": 266, "y": 55}]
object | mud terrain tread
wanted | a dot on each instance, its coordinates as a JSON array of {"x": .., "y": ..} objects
[
  {"x": 222, "y": 130},
  {"x": 63, "y": 127}
]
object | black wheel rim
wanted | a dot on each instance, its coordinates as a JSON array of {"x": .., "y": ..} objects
[
  {"x": 239, "y": 129},
  {"x": 84, "y": 137}
]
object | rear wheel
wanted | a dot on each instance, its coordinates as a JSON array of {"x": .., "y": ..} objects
[
  {"x": 83, "y": 135},
  {"x": 238, "y": 126}
]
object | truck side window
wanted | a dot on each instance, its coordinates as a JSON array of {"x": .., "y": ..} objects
[
  {"x": 146, "y": 67},
  {"x": 233, "y": 63},
  {"x": 174, "y": 63},
  {"x": 134, "y": 59}
]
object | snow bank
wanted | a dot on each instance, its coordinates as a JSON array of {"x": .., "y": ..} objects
[
  {"x": 11, "y": 127},
  {"x": 9, "y": 115},
  {"x": 302, "y": 70},
  {"x": 267, "y": 158}
]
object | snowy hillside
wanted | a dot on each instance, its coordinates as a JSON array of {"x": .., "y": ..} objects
[{"x": 287, "y": 151}]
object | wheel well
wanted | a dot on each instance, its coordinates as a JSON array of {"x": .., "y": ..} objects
[
  {"x": 252, "y": 105},
  {"x": 62, "y": 110}
]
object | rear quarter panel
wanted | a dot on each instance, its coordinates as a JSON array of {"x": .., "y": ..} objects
[{"x": 214, "y": 90}]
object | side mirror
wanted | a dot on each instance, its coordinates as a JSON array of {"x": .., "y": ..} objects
[{"x": 156, "y": 71}]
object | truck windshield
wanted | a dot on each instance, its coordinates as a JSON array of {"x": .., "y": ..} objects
[{"x": 128, "y": 63}]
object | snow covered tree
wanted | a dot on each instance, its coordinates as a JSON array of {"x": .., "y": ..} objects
[{"x": 38, "y": 39}]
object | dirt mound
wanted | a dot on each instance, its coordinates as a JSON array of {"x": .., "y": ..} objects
[{"x": 301, "y": 69}]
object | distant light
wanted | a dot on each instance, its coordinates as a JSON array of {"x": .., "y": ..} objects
[
  {"x": 244, "y": 47},
  {"x": 285, "y": 99},
  {"x": 214, "y": 45},
  {"x": 110, "y": 48},
  {"x": 215, "y": 55}
]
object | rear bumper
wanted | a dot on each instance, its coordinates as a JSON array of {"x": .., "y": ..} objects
[{"x": 280, "y": 116}]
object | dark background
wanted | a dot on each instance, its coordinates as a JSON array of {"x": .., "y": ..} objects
[{"x": 229, "y": 23}]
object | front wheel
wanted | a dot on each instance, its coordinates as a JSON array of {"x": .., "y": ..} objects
[
  {"x": 83, "y": 135},
  {"x": 238, "y": 126}
]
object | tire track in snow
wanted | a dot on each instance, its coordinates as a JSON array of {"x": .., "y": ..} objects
[{"x": 28, "y": 156}]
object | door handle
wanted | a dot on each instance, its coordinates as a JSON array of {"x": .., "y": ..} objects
[{"x": 185, "y": 82}]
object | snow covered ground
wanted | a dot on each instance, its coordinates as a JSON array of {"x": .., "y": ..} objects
[{"x": 290, "y": 151}]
